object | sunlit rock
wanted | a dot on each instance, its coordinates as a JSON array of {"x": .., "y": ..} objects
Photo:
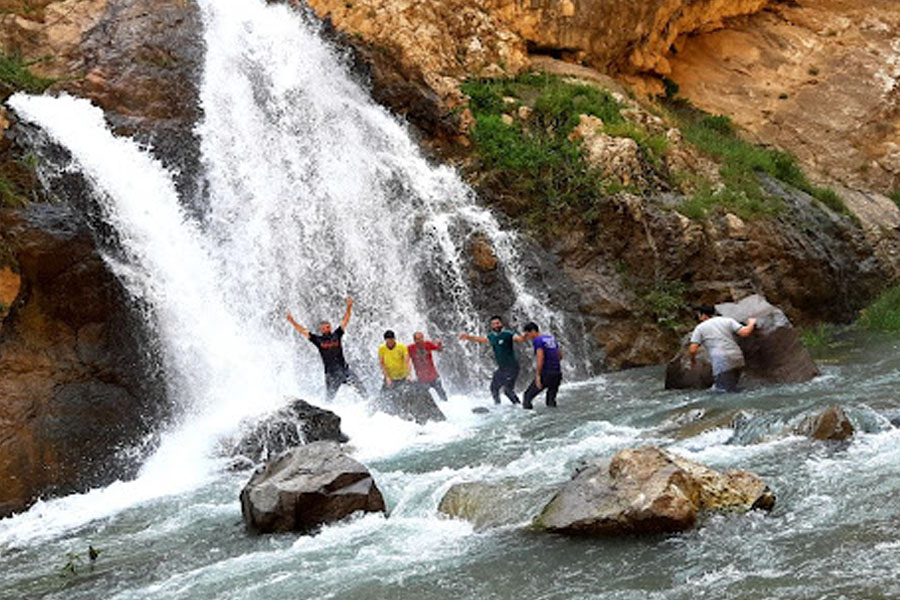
[
  {"x": 648, "y": 490},
  {"x": 307, "y": 487}
]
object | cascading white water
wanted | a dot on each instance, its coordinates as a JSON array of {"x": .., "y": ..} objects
[{"x": 314, "y": 192}]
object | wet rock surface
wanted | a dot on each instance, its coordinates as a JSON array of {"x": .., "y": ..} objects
[
  {"x": 80, "y": 378},
  {"x": 307, "y": 487},
  {"x": 832, "y": 424},
  {"x": 296, "y": 424},
  {"x": 774, "y": 353},
  {"x": 493, "y": 504},
  {"x": 409, "y": 401},
  {"x": 647, "y": 491}
]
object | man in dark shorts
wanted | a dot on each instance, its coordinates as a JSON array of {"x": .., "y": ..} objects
[
  {"x": 548, "y": 372},
  {"x": 420, "y": 354},
  {"x": 328, "y": 342},
  {"x": 501, "y": 341}
]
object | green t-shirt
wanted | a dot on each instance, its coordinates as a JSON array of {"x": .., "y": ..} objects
[{"x": 504, "y": 352}]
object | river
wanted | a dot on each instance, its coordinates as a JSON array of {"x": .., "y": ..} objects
[{"x": 832, "y": 534}]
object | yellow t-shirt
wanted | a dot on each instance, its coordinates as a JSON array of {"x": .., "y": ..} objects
[{"x": 394, "y": 360}]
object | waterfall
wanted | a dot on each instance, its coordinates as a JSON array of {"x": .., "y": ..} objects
[{"x": 313, "y": 192}]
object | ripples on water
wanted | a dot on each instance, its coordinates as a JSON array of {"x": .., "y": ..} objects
[{"x": 833, "y": 533}]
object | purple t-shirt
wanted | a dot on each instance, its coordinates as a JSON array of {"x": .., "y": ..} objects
[{"x": 551, "y": 353}]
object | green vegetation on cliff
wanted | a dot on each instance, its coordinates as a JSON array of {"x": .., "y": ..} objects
[
  {"x": 522, "y": 134},
  {"x": 16, "y": 76},
  {"x": 741, "y": 162}
]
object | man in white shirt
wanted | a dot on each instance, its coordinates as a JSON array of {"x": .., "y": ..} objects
[{"x": 716, "y": 334}]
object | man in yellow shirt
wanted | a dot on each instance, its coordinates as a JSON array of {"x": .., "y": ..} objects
[{"x": 394, "y": 360}]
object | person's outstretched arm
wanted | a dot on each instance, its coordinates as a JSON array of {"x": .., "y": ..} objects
[
  {"x": 747, "y": 329},
  {"x": 384, "y": 371},
  {"x": 303, "y": 330},
  {"x": 346, "y": 318},
  {"x": 473, "y": 338},
  {"x": 409, "y": 368},
  {"x": 438, "y": 346}
]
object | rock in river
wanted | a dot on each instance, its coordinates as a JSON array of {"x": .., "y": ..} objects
[
  {"x": 831, "y": 424},
  {"x": 773, "y": 354},
  {"x": 648, "y": 490},
  {"x": 409, "y": 401},
  {"x": 296, "y": 424},
  {"x": 307, "y": 487}
]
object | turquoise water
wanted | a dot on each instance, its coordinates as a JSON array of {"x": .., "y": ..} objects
[{"x": 832, "y": 534}]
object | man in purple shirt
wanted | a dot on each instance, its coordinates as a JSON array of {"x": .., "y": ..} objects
[{"x": 548, "y": 373}]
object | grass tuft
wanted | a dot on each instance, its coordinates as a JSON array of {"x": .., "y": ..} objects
[
  {"x": 16, "y": 76},
  {"x": 884, "y": 313}
]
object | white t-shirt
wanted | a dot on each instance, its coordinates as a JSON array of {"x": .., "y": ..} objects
[{"x": 717, "y": 336}]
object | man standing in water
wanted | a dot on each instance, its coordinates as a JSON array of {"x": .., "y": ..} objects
[
  {"x": 548, "y": 372},
  {"x": 420, "y": 354},
  {"x": 328, "y": 342},
  {"x": 501, "y": 341},
  {"x": 394, "y": 360},
  {"x": 716, "y": 334}
]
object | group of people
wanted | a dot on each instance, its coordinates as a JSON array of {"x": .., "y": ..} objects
[{"x": 397, "y": 360}]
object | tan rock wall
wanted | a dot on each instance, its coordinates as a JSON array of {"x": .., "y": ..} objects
[{"x": 820, "y": 78}]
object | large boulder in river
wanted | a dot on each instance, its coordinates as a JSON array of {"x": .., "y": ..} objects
[
  {"x": 648, "y": 490},
  {"x": 409, "y": 401},
  {"x": 296, "y": 424},
  {"x": 773, "y": 354},
  {"x": 831, "y": 424},
  {"x": 307, "y": 487}
]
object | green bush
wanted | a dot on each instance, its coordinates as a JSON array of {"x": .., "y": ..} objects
[
  {"x": 16, "y": 76},
  {"x": 534, "y": 159},
  {"x": 884, "y": 313}
]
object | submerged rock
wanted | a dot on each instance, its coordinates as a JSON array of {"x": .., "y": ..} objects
[
  {"x": 307, "y": 487},
  {"x": 773, "y": 354},
  {"x": 487, "y": 505},
  {"x": 296, "y": 424},
  {"x": 648, "y": 490},
  {"x": 411, "y": 402},
  {"x": 831, "y": 424}
]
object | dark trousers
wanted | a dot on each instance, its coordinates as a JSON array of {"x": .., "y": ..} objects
[
  {"x": 335, "y": 379},
  {"x": 436, "y": 385},
  {"x": 728, "y": 381},
  {"x": 550, "y": 382},
  {"x": 505, "y": 378}
]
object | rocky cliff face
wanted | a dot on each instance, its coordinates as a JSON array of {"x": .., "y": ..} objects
[
  {"x": 819, "y": 78},
  {"x": 80, "y": 387}
]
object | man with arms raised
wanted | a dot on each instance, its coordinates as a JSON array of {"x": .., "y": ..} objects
[
  {"x": 420, "y": 354},
  {"x": 501, "y": 341},
  {"x": 716, "y": 334},
  {"x": 547, "y": 372},
  {"x": 328, "y": 342}
]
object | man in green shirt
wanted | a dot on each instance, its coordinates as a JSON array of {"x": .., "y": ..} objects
[{"x": 501, "y": 341}]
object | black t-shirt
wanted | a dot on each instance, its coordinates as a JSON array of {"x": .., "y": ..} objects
[{"x": 330, "y": 348}]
